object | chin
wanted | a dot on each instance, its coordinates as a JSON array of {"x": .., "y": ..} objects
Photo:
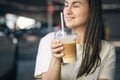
[
  {"x": 67, "y": 26},
  {"x": 70, "y": 26}
]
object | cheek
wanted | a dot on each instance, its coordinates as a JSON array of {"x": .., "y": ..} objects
[{"x": 83, "y": 15}]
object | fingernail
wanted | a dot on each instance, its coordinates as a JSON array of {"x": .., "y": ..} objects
[
  {"x": 60, "y": 44},
  {"x": 61, "y": 47},
  {"x": 62, "y": 54},
  {"x": 58, "y": 41}
]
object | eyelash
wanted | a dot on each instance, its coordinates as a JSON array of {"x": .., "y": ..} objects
[{"x": 75, "y": 6}]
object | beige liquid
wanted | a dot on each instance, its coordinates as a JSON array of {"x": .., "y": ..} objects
[{"x": 69, "y": 52}]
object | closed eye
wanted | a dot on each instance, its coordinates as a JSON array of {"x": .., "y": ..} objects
[{"x": 76, "y": 4}]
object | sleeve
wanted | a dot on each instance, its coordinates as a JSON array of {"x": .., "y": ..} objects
[
  {"x": 43, "y": 56},
  {"x": 108, "y": 68}
]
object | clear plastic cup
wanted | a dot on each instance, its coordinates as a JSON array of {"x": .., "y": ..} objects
[{"x": 68, "y": 38}]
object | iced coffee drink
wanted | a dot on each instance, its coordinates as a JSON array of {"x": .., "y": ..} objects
[{"x": 69, "y": 43}]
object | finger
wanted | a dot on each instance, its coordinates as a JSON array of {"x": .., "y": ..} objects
[
  {"x": 56, "y": 45},
  {"x": 56, "y": 50},
  {"x": 58, "y": 55},
  {"x": 55, "y": 41}
]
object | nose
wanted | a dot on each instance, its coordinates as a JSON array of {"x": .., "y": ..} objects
[{"x": 68, "y": 10}]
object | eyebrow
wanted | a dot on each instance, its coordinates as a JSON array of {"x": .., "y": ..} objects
[{"x": 72, "y": 2}]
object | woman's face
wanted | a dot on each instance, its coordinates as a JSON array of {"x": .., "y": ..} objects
[{"x": 76, "y": 13}]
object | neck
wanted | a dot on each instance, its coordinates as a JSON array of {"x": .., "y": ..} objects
[{"x": 80, "y": 34}]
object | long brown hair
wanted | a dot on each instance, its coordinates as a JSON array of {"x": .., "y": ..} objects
[{"x": 92, "y": 40}]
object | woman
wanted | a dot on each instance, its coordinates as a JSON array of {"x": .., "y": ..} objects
[{"x": 95, "y": 57}]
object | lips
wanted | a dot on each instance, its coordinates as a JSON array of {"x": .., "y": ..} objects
[{"x": 69, "y": 18}]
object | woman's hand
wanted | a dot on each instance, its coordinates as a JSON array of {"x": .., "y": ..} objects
[
  {"x": 55, "y": 64},
  {"x": 57, "y": 48}
]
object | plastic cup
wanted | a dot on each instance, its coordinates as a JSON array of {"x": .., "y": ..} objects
[{"x": 68, "y": 38}]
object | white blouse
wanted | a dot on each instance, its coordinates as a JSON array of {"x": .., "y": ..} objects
[{"x": 69, "y": 71}]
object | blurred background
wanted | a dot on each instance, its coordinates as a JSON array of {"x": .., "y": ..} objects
[{"x": 24, "y": 22}]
